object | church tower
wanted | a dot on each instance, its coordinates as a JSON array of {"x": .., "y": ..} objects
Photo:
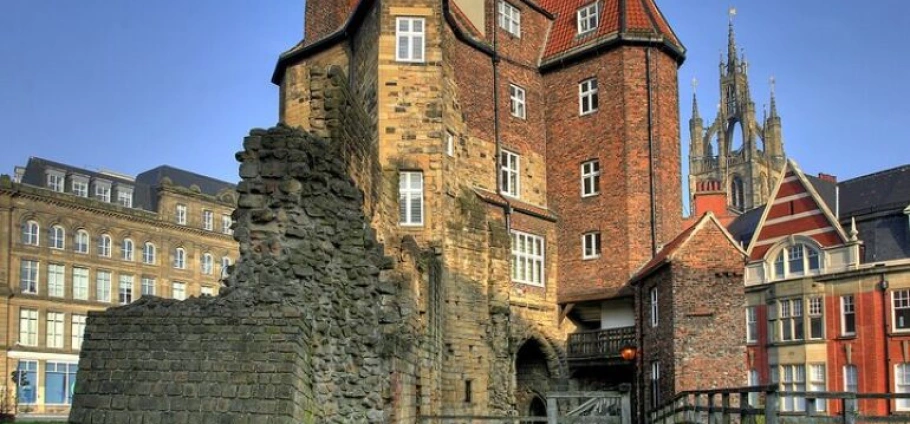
[{"x": 737, "y": 150}]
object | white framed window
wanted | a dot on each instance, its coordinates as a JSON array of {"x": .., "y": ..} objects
[
  {"x": 225, "y": 266},
  {"x": 208, "y": 220},
  {"x": 450, "y": 143},
  {"x": 149, "y": 253},
  {"x": 179, "y": 258},
  {"x": 208, "y": 264},
  {"x": 147, "y": 286},
  {"x": 517, "y": 101},
  {"x": 104, "y": 246},
  {"x": 410, "y": 198},
  {"x": 509, "y": 18},
  {"x": 28, "y": 327},
  {"x": 125, "y": 196},
  {"x": 847, "y": 315},
  {"x": 590, "y": 245},
  {"x": 817, "y": 383},
  {"x": 103, "y": 191},
  {"x": 55, "y": 181},
  {"x": 655, "y": 384},
  {"x": 902, "y": 385},
  {"x": 816, "y": 318},
  {"x": 587, "y": 96},
  {"x": 55, "y": 330},
  {"x": 79, "y": 186},
  {"x": 528, "y": 258},
  {"x": 207, "y": 291},
  {"x": 410, "y": 36},
  {"x": 180, "y": 214},
  {"x": 31, "y": 233},
  {"x": 82, "y": 241},
  {"x": 790, "y": 313},
  {"x": 178, "y": 290},
  {"x": 80, "y": 283},
  {"x": 27, "y": 373},
  {"x": 900, "y": 310},
  {"x": 751, "y": 324},
  {"x": 851, "y": 378},
  {"x": 28, "y": 276},
  {"x": 588, "y": 18},
  {"x": 510, "y": 180},
  {"x": 590, "y": 178},
  {"x": 125, "y": 289},
  {"x": 103, "y": 286},
  {"x": 753, "y": 381},
  {"x": 226, "y": 223},
  {"x": 56, "y": 282},
  {"x": 655, "y": 307},
  {"x": 793, "y": 379},
  {"x": 126, "y": 250},
  {"x": 797, "y": 260},
  {"x": 78, "y": 330},
  {"x": 57, "y": 239}
]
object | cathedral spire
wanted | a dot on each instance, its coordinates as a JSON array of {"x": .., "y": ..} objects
[
  {"x": 695, "y": 114},
  {"x": 731, "y": 43},
  {"x": 773, "y": 83}
]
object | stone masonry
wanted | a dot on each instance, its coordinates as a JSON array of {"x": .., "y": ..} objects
[{"x": 303, "y": 333}]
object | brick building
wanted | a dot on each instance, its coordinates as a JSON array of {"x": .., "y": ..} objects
[{"x": 77, "y": 241}]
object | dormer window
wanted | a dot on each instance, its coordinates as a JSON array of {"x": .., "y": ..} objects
[
  {"x": 797, "y": 260},
  {"x": 588, "y": 18},
  {"x": 55, "y": 180}
]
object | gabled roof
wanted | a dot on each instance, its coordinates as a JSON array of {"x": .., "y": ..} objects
[
  {"x": 795, "y": 207},
  {"x": 881, "y": 191}
]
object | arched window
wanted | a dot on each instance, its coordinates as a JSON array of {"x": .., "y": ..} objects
[
  {"x": 797, "y": 260},
  {"x": 104, "y": 246},
  {"x": 82, "y": 241},
  {"x": 126, "y": 250},
  {"x": 30, "y": 233},
  {"x": 57, "y": 237},
  {"x": 180, "y": 258},
  {"x": 208, "y": 264},
  {"x": 225, "y": 265},
  {"x": 736, "y": 193},
  {"x": 149, "y": 253}
]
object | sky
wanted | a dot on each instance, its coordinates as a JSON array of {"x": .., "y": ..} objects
[{"x": 128, "y": 85}]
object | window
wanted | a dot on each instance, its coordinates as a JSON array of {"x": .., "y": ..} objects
[
  {"x": 450, "y": 143},
  {"x": 28, "y": 277},
  {"x": 851, "y": 379},
  {"x": 587, "y": 18},
  {"x": 816, "y": 318},
  {"x": 208, "y": 220},
  {"x": 902, "y": 385},
  {"x": 527, "y": 259},
  {"x": 590, "y": 245},
  {"x": 901, "y": 311},
  {"x": 125, "y": 196},
  {"x": 148, "y": 253},
  {"x": 78, "y": 330},
  {"x": 225, "y": 266},
  {"x": 409, "y": 38},
  {"x": 797, "y": 260},
  {"x": 510, "y": 18},
  {"x": 82, "y": 241},
  {"x": 510, "y": 183},
  {"x": 104, "y": 246},
  {"x": 179, "y": 291},
  {"x": 655, "y": 384},
  {"x": 791, "y": 319},
  {"x": 80, "y": 283},
  {"x": 125, "y": 292},
  {"x": 30, "y": 233},
  {"x": 103, "y": 191},
  {"x": 848, "y": 315},
  {"x": 126, "y": 250},
  {"x": 56, "y": 285},
  {"x": 55, "y": 181},
  {"x": 226, "y": 224},
  {"x": 793, "y": 379},
  {"x": 57, "y": 238},
  {"x": 751, "y": 325},
  {"x": 655, "y": 312},
  {"x": 28, "y": 382},
  {"x": 59, "y": 381},
  {"x": 207, "y": 291},
  {"x": 180, "y": 258},
  {"x": 208, "y": 264},
  {"x": 410, "y": 198},
  {"x": 753, "y": 381},
  {"x": 28, "y": 327},
  {"x": 181, "y": 214},
  {"x": 590, "y": 178},
  {"x": 817, "y": 384},
  {"x": 587, "y": 96},
  {"x": 55, "y": 330},
  {"x": 147, "y": 286},
  {"x": 80, "y": 186},
  {"x": 103, "y": 286},
  {"x": 517, "y": 101}
]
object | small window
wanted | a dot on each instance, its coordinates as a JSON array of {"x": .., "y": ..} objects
[
  {"x": 55, "y": 181},
  {"x": 82, "y": 241},
  {"x": 103, "y": 286},
  {"x": 751, "y": 324},
  {"x": 816, "y": 318},
  {"x": 28, "y": 277},
  {"x": 590, "y": 178},
  {"x": 590, "y": 245},
  {"x": 178, "y": 290},
  {"x": 587, "y": 96},
  {"x": 126, "y": 250},
  {"x": 226, "y": 223},
  {"x": 797, "y": 260},
  {"x": 588, "y": 18},
  {"x": 80, "y": 283},
  {"x": 31, "y": 233},
  {"x": 55, "y": 322},
  {"x": 409, "y": 36},
  {"x": 28, "y": 327},
  {"x": 901, "y": 309},
  {"x": 225, "y": 266},
  {"x": 57, "y": 238},
  {"x": 207, "y": 291},
  {"x": 655, "y": 384},
  {"x": 517, "y": 101},
  {"x": 509, "y": 165},
  {"x": 817, "y": 383},
  {"x": 149, "y": 254},
  {"x": 790, "y": 312},
  {"x": 125, "y": 196},
  {"x": 528, "y": 259},
  {"x": 450, "y": 143},
  {"x": 848, "y": 315},
  {"x": 510, "y": 18},
  {"x": 208, "y": 220},
  {"x": 180, "y": 214},
  {"x": 56, "y": 280},
  {"x": 851, "y": 379},
  {"x": 104, "y": 246},
  {"x": 410, "y": 198},
  {"x": 125, "y": 289},
  {"x": 655, "y": 311},
  {"x": 103, "y": 191},
  {"x": 78, "y": 330},
  {"x": 468, "y": 392},
  {"x": 79, "y": 186},
  {"x": 753, "y": 381},
  {"x": 208, "y": 264},
  {"x": 180, "y": 258},
  {"x": 147, "y": 286}
]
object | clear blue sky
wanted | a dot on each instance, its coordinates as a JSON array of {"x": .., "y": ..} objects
[{"x": 130, "y": 85}]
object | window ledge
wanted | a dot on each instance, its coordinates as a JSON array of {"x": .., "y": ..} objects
[{"x": 846, "y": 337}]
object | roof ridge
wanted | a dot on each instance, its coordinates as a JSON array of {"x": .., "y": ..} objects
[{"x": 876, "y": 173}]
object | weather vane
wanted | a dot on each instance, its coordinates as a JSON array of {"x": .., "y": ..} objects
[
  {"x": 694, "y": 84},
  {"x": 773, "y": 82},
  {"x": 732, "y": 13}
]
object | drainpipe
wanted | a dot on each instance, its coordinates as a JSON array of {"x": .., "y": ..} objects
[
  {"x": 494, "y": 58},
  {"x": 651, "y": 151},
  {"x": 883, "y": 285}
]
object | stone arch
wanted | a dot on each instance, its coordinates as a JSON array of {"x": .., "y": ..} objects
[
  {"x": 735, "y": 135},
  {"x": 737, "y": 192}
]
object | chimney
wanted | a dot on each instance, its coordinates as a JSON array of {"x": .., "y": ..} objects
[
  {"x": 827, "y": 177},
  {"x": 710, "y": 197}
]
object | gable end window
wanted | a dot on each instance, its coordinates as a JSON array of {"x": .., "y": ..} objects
[
  {"x": 517, "y": 101},
  {"x": 587, "y": 96},
  {"x": 797, "y": 260},
  {"x": 510, "y": 18},
  {"x": 409, "y": 39},
  {"x": 588, "y": 18}
]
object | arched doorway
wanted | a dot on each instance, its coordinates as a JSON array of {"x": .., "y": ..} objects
[
  {"x": 538, "y": 407},
  {"x": 532, "y": 379}
]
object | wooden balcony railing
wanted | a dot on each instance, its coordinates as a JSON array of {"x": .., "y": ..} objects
[{"x": 600, "y": 344}]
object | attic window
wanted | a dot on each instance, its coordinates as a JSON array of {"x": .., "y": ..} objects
[
  {"x": 797, "y": 260},
  {"x": 588, "y": 18}
]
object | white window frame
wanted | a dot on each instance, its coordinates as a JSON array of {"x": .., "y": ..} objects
[
  {"x": 816, "y": 314},
  {"x": 851, "y": 378},
  {"x": 590, "y": 178},
  {"x": 56, "y": 181},
  {"x": 754, "y": 380},
  {"x": 56, "y": 237},
  {"x": 791, "y": 316},
  {"x": 450, "y": 143},
  {"x": 77, "y": 331},
  {"x": 104, "y": 245},
  {"x": 125, "y": 287},
  {"x": 208, "y": 220},
  {"x": 510, "y": 175},
  {"x": 28, "y": 327},
  {"x": 127, "y": 249},
  {"x": 225, "y": 263},
  {"x": 655, "y": 307},
  {"x": 751, "y": 324},
  {"x": 226, "y": 222},
  {"x": 591, "y": 245},
  {"x": 655, "y": 384},
  {"x": 79, "y": 186},
  {"x": 208, "y": 264},
  {"x": 180, "y": 214},
  {"x": 54, "y": 335},
  {"x": 29, "y": 276},
  {"x": 82, "y": 242},
  {"x": 80, "y": 283},
  {"x": 518, "y": 101},
  {"x": 509, "y": 18},
  {"x": 180, "y": 258},
  {"x": 31, "y": 233},
  {"x": 902, "y": 385},
  {"x": 56, "y": 280},
  {"x": 900, "y": 300},
  {"x": 793, "y": 379},
  {"x": 528, "y": 258},
  {"x": 207, "y": 291},
  {"x": 178, "y": 290},
  {"x": 415, "y": 40},
  {"x": 103, "y": 191},
  {"x": 147, "y": 286},
  {"x": 103, "y": 283},
  {"x": 588, "y": 101},
  {"x": 125, "y": 196},
  {"x": 410, "y": 199},
  {"x": 588, "y": 18},
  {"x": 799, "y": 252},
  {"x": 847, "y": 307},
  {"x": 817, "y": 376},
  {"x": 149, "y": 253}
]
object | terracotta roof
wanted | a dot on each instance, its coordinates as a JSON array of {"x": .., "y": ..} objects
[{"x": 498, "y": 199}]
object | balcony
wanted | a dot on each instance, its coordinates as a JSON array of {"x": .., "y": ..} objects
[{"x": 600, "y": 347}]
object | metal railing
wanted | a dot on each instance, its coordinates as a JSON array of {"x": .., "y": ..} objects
[{"x": 598, "y": 344}]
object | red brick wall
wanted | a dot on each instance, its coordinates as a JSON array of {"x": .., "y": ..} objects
[{"x": 323, "y": 17}]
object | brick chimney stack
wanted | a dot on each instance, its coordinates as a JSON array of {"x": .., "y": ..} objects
[
  {"x": 827, "y": 177},
  {"x": 710, "y": 196}
]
